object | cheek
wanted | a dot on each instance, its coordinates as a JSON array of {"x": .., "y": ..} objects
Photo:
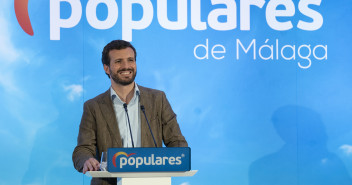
[{"x": 114, "y": 67}]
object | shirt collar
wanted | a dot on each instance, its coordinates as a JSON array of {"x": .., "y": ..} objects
[{"x": 114, "y": 96}]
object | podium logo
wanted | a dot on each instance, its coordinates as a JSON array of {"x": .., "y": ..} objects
[
  {"x": 118, "y": 154},
  {"x": 21, "y": 11},
  {"x": 127, "y": 160}
]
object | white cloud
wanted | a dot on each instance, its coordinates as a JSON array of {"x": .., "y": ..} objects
[
  {"x": 185, "y": 183},
  {"x": 74, "y": 91},
  {"x": 6, "y": 81},
  {"x": 324, "y": 160},
  {"x": 347, "y": 149},
  {"x": 6, "y": 135},
  {"x": 160, "y": 83},
  {"x": 8, "y": 52}
]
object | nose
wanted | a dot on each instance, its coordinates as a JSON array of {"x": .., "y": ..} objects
[{"x": 124, "y": 64}]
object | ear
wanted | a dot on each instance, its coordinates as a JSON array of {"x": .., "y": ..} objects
[{"x": 107, "y": 69}]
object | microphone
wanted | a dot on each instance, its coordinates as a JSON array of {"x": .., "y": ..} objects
[
  {"x": 143, "y": 110},
  {"x": 129, "y": 124}
]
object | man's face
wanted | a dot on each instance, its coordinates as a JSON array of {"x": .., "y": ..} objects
[{"x": 123, "y": 67}]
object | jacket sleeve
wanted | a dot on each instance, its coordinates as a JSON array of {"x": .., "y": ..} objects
[
  {"x": 171, "y": 131},
  {"x": 86, "y": 141}
]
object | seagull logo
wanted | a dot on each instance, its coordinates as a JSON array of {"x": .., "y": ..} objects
[
  {"x": 118, "y": 154},
  {"x": 21, "y": 11}
]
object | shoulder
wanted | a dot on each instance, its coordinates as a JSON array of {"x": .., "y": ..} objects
[
  {"x": 150, "y": 91},
  {"x": 149, "y": 95},
  {"x": 98, "y": 99}
]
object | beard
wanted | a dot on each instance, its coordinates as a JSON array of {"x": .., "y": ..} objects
[{"x": 123, "y": 81}]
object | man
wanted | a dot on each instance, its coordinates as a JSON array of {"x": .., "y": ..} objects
[{"x": 104, "y": 122}]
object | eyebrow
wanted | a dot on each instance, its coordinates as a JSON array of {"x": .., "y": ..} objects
[{"x": 124, "y": 58}]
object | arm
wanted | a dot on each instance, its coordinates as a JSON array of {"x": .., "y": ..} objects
[
  {"x": 85, "y": 151},
  {"x": 172, "y": 135}
]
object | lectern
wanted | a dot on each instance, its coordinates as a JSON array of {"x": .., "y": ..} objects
[
  {"x": 138, "y": 178},
  {"x": 146, "y": 166}
]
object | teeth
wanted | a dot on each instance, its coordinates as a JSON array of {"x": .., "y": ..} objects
[{"x": 126, "y": 72}]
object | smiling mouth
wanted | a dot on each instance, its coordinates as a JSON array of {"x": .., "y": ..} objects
[{"x": 125, "y": 72}]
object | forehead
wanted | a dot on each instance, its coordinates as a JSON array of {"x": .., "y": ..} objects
[{"x": 121, "y": 53}]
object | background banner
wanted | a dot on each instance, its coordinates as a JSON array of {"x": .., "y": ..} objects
[{"x": 262, "y": 89}]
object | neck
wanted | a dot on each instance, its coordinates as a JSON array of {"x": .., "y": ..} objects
[{"x": 125, "y": 92}]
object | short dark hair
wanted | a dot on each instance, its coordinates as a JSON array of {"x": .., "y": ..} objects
[{"x": 118, "y": 45}]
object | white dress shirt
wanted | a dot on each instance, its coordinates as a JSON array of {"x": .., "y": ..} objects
[{"x": 121, "y": 117}]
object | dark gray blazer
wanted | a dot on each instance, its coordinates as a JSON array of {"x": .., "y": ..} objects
[{"x": 99, "y": 130}]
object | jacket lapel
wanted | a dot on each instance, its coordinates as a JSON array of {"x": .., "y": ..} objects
[
  {"x": 110, "y": 117},
  {"x": 146, "y": 138},
  {"x": 143, "y": 121}
]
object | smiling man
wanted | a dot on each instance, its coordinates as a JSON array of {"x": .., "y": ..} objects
[{"x": 115, "y": 118}]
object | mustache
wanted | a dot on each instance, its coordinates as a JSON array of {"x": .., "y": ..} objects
[{"x": 125, "y": 69}]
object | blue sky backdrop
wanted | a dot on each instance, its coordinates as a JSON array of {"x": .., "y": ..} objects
[{"x": 245, "y": 119}]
